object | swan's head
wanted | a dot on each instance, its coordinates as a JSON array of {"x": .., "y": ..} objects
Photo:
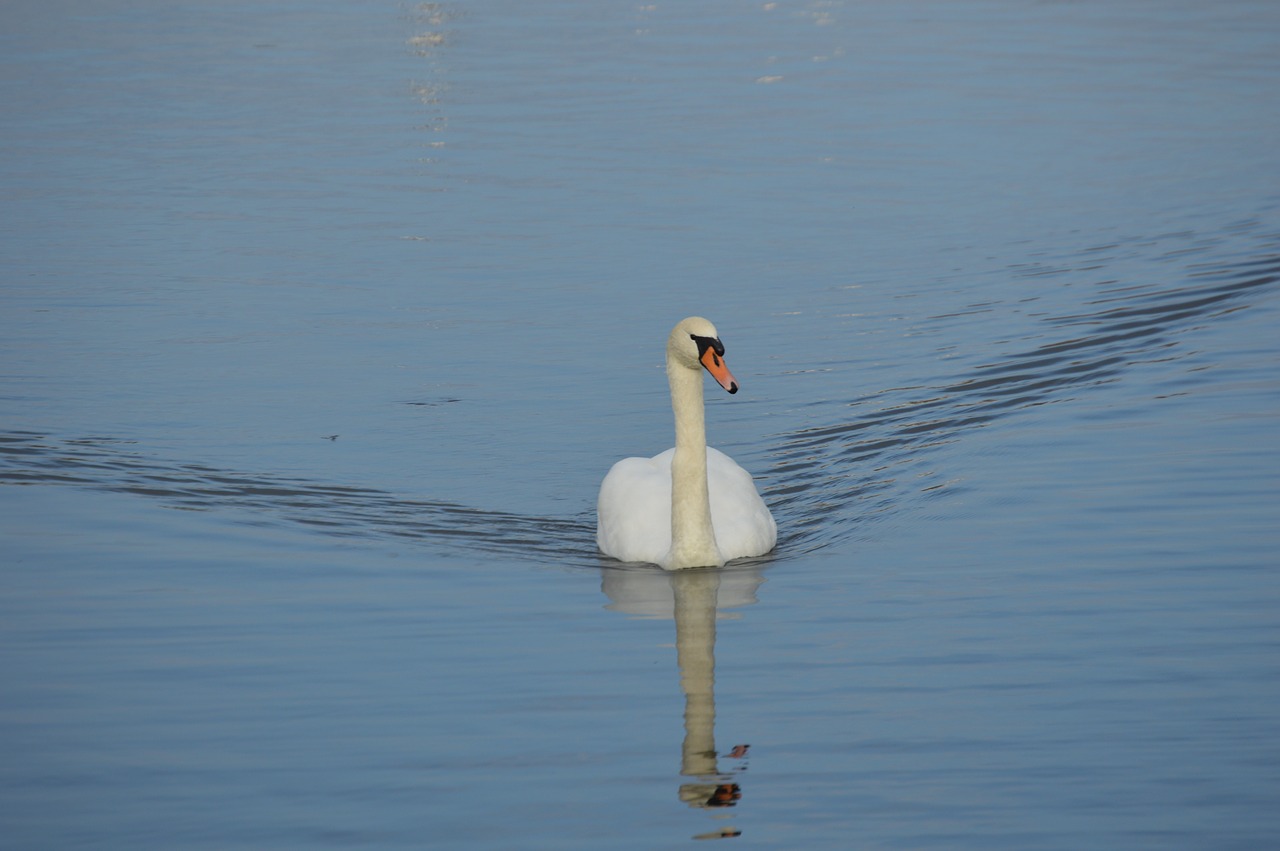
[{"x": 694, "y": 343}]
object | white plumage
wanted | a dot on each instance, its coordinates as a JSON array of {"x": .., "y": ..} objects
[{"x": 718, "y": 515}]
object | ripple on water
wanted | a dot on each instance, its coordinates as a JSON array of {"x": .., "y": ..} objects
[{"x": 822, "y": 480}]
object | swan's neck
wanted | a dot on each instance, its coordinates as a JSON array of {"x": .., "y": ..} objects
[{"x": 693, "y": 539}]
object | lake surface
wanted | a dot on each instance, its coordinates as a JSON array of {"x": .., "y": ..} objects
[{"x": 321, "y": 323}]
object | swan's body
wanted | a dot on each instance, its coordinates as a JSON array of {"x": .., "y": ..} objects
[{"x": 690, "y": 506}]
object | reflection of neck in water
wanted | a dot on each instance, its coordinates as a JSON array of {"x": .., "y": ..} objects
[
  {"x": 695, "y": 594},
  {"x": 696, "y": 598}
]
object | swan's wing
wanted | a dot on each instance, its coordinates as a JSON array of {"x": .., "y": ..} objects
[
  {"x": 744, "y": 527},
  {"x": 633, "y": 512}
]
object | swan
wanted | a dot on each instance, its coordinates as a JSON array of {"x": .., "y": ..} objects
[{"x": 691, "y": 506}]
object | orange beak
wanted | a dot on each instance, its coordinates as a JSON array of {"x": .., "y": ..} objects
[{"x": 716, "y": 366}]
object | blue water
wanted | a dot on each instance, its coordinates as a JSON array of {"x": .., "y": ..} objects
[{"x": 321, "y": 323}]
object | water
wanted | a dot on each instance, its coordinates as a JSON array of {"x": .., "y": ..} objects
[{"x": 321, "y": 323}]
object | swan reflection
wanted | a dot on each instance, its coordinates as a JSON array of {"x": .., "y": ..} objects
[{"x": 695, "y": 599}]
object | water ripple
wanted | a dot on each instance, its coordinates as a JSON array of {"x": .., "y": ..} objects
[
  {"x": 866, "y": 462},
  {"x": 822, "y": 480},
  {"x": 106, "y": 464}
]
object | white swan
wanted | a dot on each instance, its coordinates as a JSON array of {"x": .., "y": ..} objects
[{"x": 690, "y": 506}]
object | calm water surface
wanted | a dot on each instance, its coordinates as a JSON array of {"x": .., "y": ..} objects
[{"x": 321, "y": 323}]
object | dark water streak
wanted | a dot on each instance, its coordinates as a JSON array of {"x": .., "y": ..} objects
[
  {"x": 115, "y": 466},
  {"x": 829, "y": 470}
]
